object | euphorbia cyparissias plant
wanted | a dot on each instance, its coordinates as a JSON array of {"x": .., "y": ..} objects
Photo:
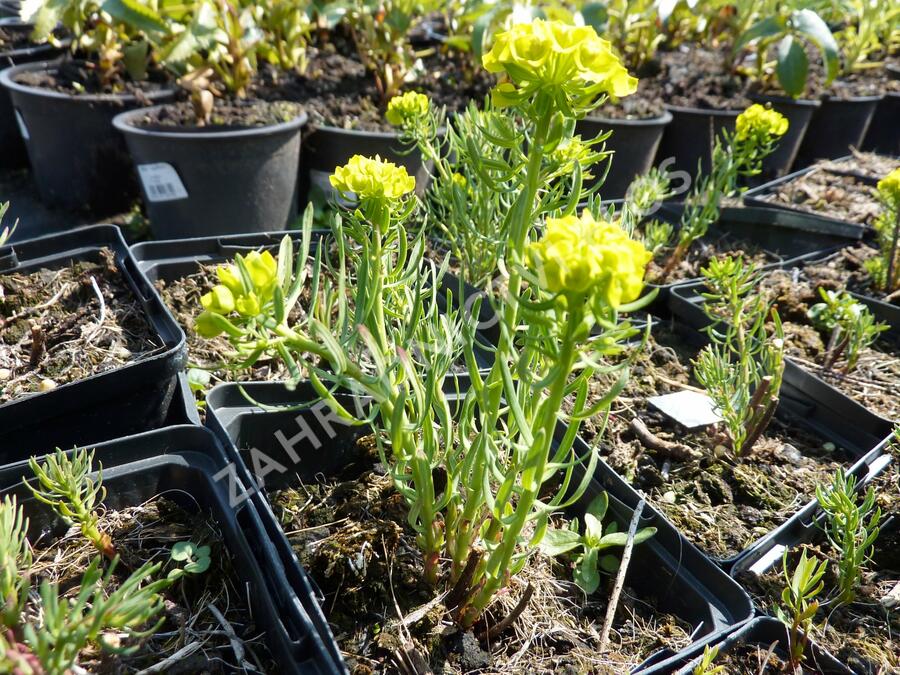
[{"x": 885, "y": 268}]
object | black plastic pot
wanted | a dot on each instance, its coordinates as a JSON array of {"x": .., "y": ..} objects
[
  {"x": 326, "y": 148},
  {"x": 838, "y": 125},
  {"x": 756, "y": 197},
  {"x": 10, "y": 8},
  {"x": 787, "y": 237},
  {"x": 884, "y": 131},
  {"x": 762, "y": 632},
  {"x": 690, "y": 136},
  {"x": 633, "y": 143},
  {"x": 78, "y": 161},
  {"x": 136, "y": 397},
  {"x": 666, "y": 567},
  {"x": 799, "y": 113},
  {"x": 200, "y": 182},
  {"x": 14, "y": 155},
  {"x": 186, "y": 463}
]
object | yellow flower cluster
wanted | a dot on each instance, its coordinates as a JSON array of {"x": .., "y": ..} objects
[
  {"x": 233, "y": 294},
  {"x": 889, "y": 188},
  {"x": 407, "y": 108},
  {"x": 583, "y": 256},
  {"x": 554, "y": 56},
  {"x": 760, "y": 124},
  {"x": 369, "y": 178}
]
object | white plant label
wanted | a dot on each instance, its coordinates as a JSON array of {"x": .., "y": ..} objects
[
  {"x": 689, "y": 408},
  {"x": 22, "y": 128},
  {"x": 161, "y": 182}
]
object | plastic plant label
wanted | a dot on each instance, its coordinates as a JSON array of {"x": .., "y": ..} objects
[
  {"x": 689, "y": 408},
  {"x": 161, "y": 182},
  {"x": 22, "y": 128}
]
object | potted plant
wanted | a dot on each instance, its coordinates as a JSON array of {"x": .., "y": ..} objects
[
  {"x": 17, "y": 47},
  {"x": 221, "y": 162},
  {"x": 80, "y": 164}
]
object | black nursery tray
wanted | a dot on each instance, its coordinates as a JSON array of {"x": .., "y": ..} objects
[
  {"x": 188, "y": 465},
  {"x": 687, "y": 583},
  {"x": 123, "y": 401},
  {"x": 756, "y": 197},
  {"x": 761, "y": 632}
]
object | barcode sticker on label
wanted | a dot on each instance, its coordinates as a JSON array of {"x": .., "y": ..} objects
[
  {"x": 22, "y": 128},
  {"x": 161, "y": 182}
]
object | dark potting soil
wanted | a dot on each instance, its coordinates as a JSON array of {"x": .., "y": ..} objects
[
  {"x": 864, "y": 634},
  {"x": 225, "y": 115},
  {"x": 828, "y": 194},
  {"x": 866, "y": 164},
  {"x": 14, "y": 38},
  {"x": 200, "y": 609},
  {"x": 699, "y": 255},
  {"x": 74, "y": 77},
  {"x": 720, "y": 502},
  {"x": 697, "y": 78},
  {"x": 758, "y": 660},
  {"x": 645, "y": 103},
  {"x": 874, "y": 381},
  {"x": 55, "y": 329},
  {"x": 353, "y": 537},
  {"x": 337, "y": 90},
  {"x": 846, "y": 269}
]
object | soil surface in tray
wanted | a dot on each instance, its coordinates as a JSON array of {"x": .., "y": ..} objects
[
  {"x": 76, "y": 77},
  {"x": 14, "y": 38},
  {"x": 645, "y": 103},
  {"x": 353, "y": 537},
  {"x": 875, "y": 380},
  {"x": 143, "y": 534},
  {"x": 864, "y": 635},
  {"x": 699, "y": 255},
  {"x": 846, "y": 269},
  {"x": 56, "y": 329},
  {"x": 868, "y": 164},
  {"x": 828, "y": 194},
  {"x": 721, "y": 503},
  {"x": 337, "y": 90},
  {"x": 757, "y": 660},
  {"x": 225, "y": 115}
]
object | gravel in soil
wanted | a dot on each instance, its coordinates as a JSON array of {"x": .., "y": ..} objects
[
  {"x": 76, "y": 76},
  {"x": 353, "y": 537},
  {"x": 645, "y": 103},
  {"x": 846, "y": 269},
  {"x": 875, "y": 380},
  {"x": 864, "y": 634},
  {"x": 337, "y": 90},
  {"x": 145, "y": 534},
  {"x": 866, "y": 164},
  {"x": 720, "y": 502},
  {"x": 699, "y": 255},
  {"x": 227, "y": 114},
  {"x": 56, "y": 329},
  {"x": 829, "y": 194}
]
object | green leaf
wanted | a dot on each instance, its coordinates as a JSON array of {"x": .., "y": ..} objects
[
  {"x": 586, "y": 575},
  {"x": 598, "y": 505},
  {"x": 808, "y": 23},
  {"x": 134, "y": 13},
  {"x": 198, "y": 378},
  {"x": 593, "y": 530},
  {"x": 792, "y": 66},
  {"x": 768, "y": 27},
  {"x": 609, "y": 564},
  {"x": 556, "y": 542}
]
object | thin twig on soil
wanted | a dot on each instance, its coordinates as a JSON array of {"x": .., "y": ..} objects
[
  {"x": 649, "y": 440},
  {"x": 620, "y": 577}
]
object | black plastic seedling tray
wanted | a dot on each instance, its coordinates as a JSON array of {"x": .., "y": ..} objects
[
  {"x": 686, "y": 582},
  {"x": 762, "y": 632},
  {"x": 187, "y": 463},
  {"x": 755, "y": 197},
  {"x": 127, "y": 400}
]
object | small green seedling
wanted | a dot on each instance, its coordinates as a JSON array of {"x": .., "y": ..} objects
[
  {"x": 6, "y": 232},
  {"x": 852, "y": 326},
  {"x": 594, "y": 540},
  {"x": 15, "y": 562},
  {"x": 706, "y": 667},
  {"x": 852, "y": 529},
  {"x": 799, "y": 603},
  {"x": 66, "y": 486},
  {"x": 196, "y": 558}
]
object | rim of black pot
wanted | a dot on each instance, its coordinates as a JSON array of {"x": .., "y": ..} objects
[
  {"x": 362, "y": 133},
  {"x": 873, "y": 98},
  {"x": 7, "y": 79},
  {"x": 759, "y": 97},
  {"x": 659, "y": 120},
  {"x": 123, "y": 119},
  {"x": 893, "y": 70},
  {"x": 701, "y": 111}
]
